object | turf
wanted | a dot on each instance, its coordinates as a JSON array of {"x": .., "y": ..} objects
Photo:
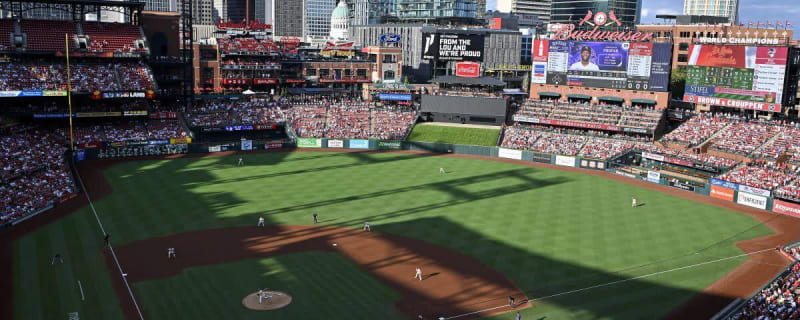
[
  {"x": 549, "y": 231},
  {"x": 309, "y": 284},
  {"x": 456, "y": 135}
]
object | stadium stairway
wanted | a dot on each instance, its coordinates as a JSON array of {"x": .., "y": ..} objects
[
  {"x": 705, "y": 144},
  {"x": 766, "y": 143}
]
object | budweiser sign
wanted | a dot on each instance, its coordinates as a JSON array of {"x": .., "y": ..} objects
[
  {"x": 468, "y": 69},
  {"x": 601, "y": 19}
]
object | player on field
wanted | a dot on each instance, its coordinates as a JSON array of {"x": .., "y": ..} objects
[
  {"x": 260, "y": 222},
  {"x": 241, "y": 162},
  {"x": 366, "y": 226},
  {"x": 418, "y": 275},
  {"x": 171, "y": 253},
  {"x": 57, "y": 257},
  {"x": 441, "y": 170},
  {"x": 315, "y": 218},
  {"x": 633, "y": 203}
]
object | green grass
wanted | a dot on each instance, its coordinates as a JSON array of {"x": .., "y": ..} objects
[
  {"x": 456, "y": 135},
  {"x": 548, "y": 231},
  {"x": 309, "y": 284}
]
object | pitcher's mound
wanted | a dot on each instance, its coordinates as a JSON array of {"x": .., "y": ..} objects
[{"x": 271, "y": 300}]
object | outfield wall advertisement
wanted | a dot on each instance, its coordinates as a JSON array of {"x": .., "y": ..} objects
[
  {"x": 509, "y": 153},
  {"x": 786, "y": 208},
  {"x": 390, "y": 145},
  {"x": 309, "y": 143},
  {"x": 565, "y": 161},
  {"x": 247, "y": 145},
  {"x": 359, "y": 144},
  {"x": 745, "y": 77},
  {"x": 335, "y": 144},
  {"x": 722, "y": 193},
  {"x": 751, "y": 200},
  {"x": 612, "y": 65}
]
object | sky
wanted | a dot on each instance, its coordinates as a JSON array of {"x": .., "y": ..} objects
[{"x": 749, "y": 10}]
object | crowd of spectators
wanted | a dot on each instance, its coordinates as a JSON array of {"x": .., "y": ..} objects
[
  {"x": 697, "y": 130},
  {"x": 246, "y": 45},
  {"x": 33, "y": 174},
  {"x": 210, "y": 113},
  {"x": 85, "y": 77},
  {"x": 743, "y": 138},
  {"x": 391, "y": 123},
  {"x": 646, "y": 119},
  {"x": 127, "y": 131},
  {"x": 309, "y": 120},
  {"x": 763, "y": 174},
  {"x": 348, "y": 121},
  {"x": 778, "y": 300},
  {"x": 586, "y": 143},
  {"x": 699, "y": 158},
  {"x": 604, "y": 149}
]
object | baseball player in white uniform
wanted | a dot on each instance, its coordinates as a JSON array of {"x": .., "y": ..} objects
[
  {"x": 171, "y": 253},
  {"x": 441, "y": 170},
  {"x": 261, "y": 221},
  {"x": 418, "y": 275},
  {"x": 366, "y": 226},
  {"x": 241, "y": 162},
  {"x": 633, "y": 203}
]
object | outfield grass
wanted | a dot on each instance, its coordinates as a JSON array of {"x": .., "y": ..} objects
[
  {"x": 424, "y": 132},
  {"x": 305, "y": 276},
  {"x": 548, "y": 231}
]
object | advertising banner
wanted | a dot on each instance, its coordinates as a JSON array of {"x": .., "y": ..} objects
[
  {"x": 541, "y": 157},
  {"x": 721, "y": 193},
  {"x": 98, "y": 114},
  {"x": 723, "y": 183},
  {"x": 679, "y": 185},
  {"x": 468, "y": 69},
  {"x": 394, "y": 97},
  {"x": 359, "y": 144},
  {"x": 335, "y": 144},
  {"x": 157, "y": 142},
  {"x": 80, "y": 155},
  {"x": 752, "y": 200},
  {"x": 539, "y": 58},
  {"x": 134, "y": 113},
  {"x": 760, "y": 192},
  {"x": 214, "y": 148},
  {"x": 786, "y": 208},
  {"x": 653, "y": 176},
  {"x": 745, "y": 77},
  {"x": 509, "y": 153},
  {"x": 653, "y": 156},
  {"x": 247, "y": 145},
  {"x": 309, "y": 143},
  {"x": 565, "y": 161},
  {"x": 390, "y": 145},
  {"x": 593, "y": 164},
  {"x": 568, "y": 123},
  {"x": 273, "y": 146},
  {"x": 180, "y": 140},
  {"x": 452, "y": 47}
]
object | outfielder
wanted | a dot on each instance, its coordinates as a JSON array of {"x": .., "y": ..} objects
[
  {"x": 633, "y": 203},
  {"x": 241, "y": 162},
  {"x": 170, "y": 253},
  {"x": 441, "y": 170},
  {"x": 418, "y": 275},
  {"x": 315, "y": 218},
  {"x": 56, "y": 257},
  {"x": 260, "y": 222},
  {"x": 366, "y": 226}
]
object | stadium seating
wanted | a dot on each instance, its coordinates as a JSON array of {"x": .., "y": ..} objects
[
  {"x": 237, "y": 112},
  {"x": 40, "y": 35},
  {"x": 33, "y": 174},
  {"x": 112, "y": 37},
  {"x": 6, "y": 29},
  {"x": 128, "y": 131},
  {"x": 763, "y": 174},
  {"x": 777, "y": 300},
  {"x": 743, "y": 138},
  {"x": 697, "y": 130},
  {"x": 86, "y": 77},
  {"x": 348, "y": 121},
  {"x": 391, "y": 123}
]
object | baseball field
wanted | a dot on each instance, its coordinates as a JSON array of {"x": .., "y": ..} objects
[{"x": 567, "y": 240}]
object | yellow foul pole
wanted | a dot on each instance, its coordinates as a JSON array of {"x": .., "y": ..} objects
[{"x": 69, "y": 95}]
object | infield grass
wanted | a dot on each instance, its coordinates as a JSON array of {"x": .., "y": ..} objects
[
  {"x": 550, "y": 232},
  {"x": 424, "y": 132}
]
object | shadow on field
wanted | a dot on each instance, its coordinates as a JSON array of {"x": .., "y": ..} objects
[{"x": 456, "y": 283}]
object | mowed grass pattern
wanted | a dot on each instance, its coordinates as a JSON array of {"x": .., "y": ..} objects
[
  {"x": 549, "y": 231},
  {"x": 424, "y": 132},
  {"x": 315, "y": 280}
]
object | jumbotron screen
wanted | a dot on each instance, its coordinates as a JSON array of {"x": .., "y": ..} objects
[
  {"x": 736, "y": 76},
  {"x": 611, "y": 65}
]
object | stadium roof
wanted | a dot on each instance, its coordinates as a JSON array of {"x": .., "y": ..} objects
[{"x": 479, "y": 81}]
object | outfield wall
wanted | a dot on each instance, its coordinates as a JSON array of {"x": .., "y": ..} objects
[{"x": 744, "y": 195}]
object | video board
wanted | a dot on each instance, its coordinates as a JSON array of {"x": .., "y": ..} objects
[
  {"x": 611, "y": 65},
  {"x": 746, "y": 77},
  {"x": 453, "y": 47}
]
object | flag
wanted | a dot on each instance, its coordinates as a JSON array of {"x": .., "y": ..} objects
[
  {"x": 751, "y": 24},
  {"x": 760, "y": 24},
  {"x": 769, "y": 24},
  {"x": 779, "y": 24},
  {"x": 788, "y": 24}
]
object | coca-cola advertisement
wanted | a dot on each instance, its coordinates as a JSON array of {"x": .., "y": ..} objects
[{"x": 468, "y": 69}]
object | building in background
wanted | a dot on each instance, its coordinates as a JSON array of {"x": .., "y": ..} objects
[
  {"x": 443, "y": 11},
  {"x": 407, "y": 37},
  {"x": 238, "y": 10},
  {"x": 340, "y": 22},
  {"x": 286, "y": 17},
  {"x": 161, "y": 5},
  {"x": 573, "y": 11},
  {"x": 480, "y": 9},
  {"x": 717, "y": 8},
  {"x": 501, "y": 20},
  {"x": 263, "y": 11},
  {"x": 540, "y": 9},
  {"x": 317, "y": 19},
  {"x": 365, "y": 12}
]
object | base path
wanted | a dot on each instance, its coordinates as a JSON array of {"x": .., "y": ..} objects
[{"x": 453, "y": 283}]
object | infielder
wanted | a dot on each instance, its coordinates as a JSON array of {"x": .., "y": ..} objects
[
  {"x": 241, "y": 162},
  {"x": 633, "y": 203},
  {"x": 170, "y": 253},
  {"x": 366, "y": 226},
  {"x": 260, "y": 222},
  {"x": 418, "y": 275}
]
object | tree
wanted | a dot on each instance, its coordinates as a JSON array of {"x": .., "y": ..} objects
[{"x": 677, "y": 82}]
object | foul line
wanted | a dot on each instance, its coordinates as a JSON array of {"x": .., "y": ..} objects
[
  {"x": 615, "y": 282},
  {"x": 113, "y": 254}
]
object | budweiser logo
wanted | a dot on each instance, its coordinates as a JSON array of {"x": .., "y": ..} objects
[{"x": 569, "y": 33}]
